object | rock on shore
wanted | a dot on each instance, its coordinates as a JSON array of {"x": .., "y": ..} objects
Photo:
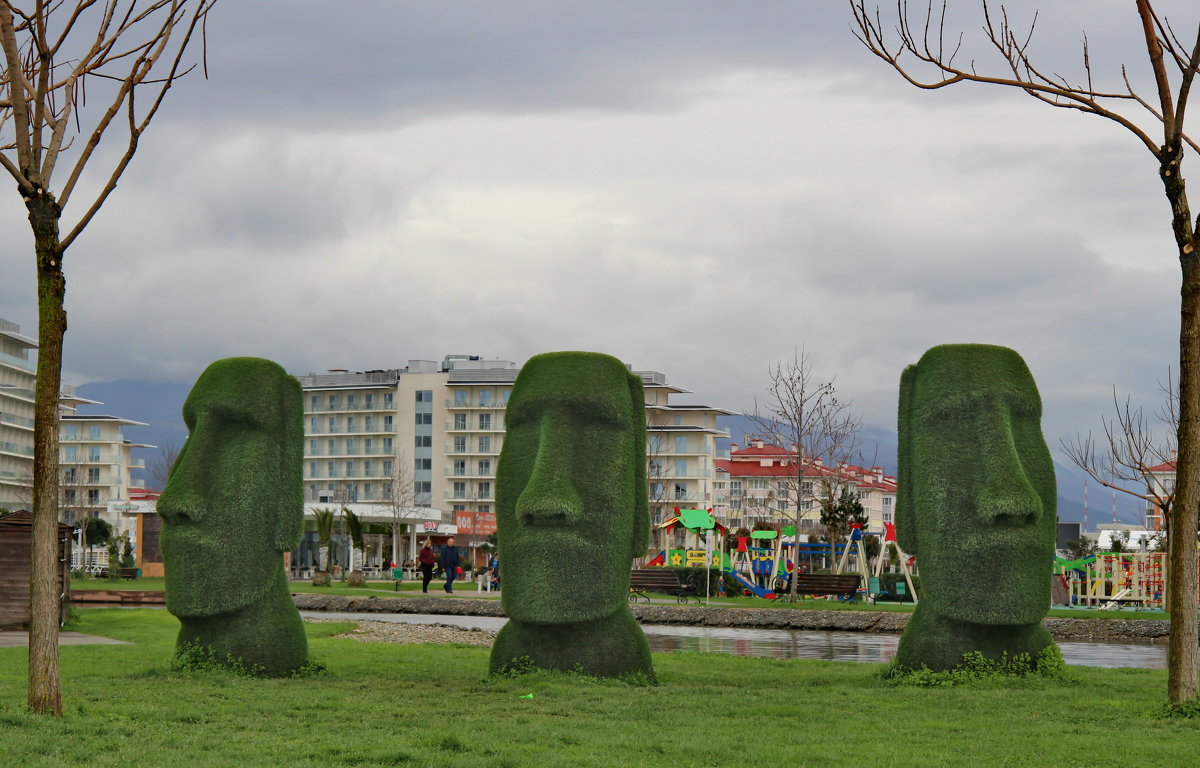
[{"x": 750, "y": 618}]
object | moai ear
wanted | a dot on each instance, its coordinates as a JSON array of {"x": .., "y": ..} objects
[
  {"x": 906, "y": 529},
  {"x": 641, "y": 502}
]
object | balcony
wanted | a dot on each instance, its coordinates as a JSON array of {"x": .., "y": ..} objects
[
  {"x": 474, "y": 402},
  {"x": 378, "y": 407},
  {"x": 14, "y": 420},
  {"x": 19, "y": 450}
]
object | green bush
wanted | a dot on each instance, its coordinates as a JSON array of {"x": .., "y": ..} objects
[
  {"x": 232, "y": 506},
  {"x": 571, "y": 514},
  {"x": 976, "y": 504}
]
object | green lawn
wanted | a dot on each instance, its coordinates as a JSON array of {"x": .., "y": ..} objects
[{"x": 383, "y": 705}]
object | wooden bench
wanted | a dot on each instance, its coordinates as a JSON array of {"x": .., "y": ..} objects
[
  {"x": 664, "y": 580},
  {"x": 844, "y": 585}
]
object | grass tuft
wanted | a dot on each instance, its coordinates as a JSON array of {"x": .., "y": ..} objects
[{"x": 977, "y": 669}]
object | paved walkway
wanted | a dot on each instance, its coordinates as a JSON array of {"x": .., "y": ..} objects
[{"x": 17, "y": 639}]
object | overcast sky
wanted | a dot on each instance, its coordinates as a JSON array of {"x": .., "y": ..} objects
[{"x": 695, "y": 186}]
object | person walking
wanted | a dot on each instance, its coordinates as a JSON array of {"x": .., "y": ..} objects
[
  {"x": 450, "y": 564},
  {"x": 426, "y": 558}
]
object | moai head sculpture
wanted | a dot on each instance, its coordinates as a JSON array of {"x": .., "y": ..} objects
[
  {"x": 571, "y": 514},
  {"x": 975, "y": 504},
  {"x": 232, "y": 506}
]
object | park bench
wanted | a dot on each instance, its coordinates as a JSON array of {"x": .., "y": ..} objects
[
  {"x": 664, "y": 580},
  {"x": 844, "y": 585}
]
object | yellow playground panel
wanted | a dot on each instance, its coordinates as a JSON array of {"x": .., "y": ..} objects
[{"x": 1113, "y": 579}]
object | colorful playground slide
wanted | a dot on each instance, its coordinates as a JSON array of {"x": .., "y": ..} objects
[{"x": 757, "y": 590}]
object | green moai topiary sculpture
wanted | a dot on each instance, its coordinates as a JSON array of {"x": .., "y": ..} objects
[
  {"x": 976, "y": 504},
  {"x": 233, "y": 505},
  {"x": 571, "y": 514}
]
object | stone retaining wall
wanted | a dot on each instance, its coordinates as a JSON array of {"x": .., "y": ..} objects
[{"x": 750, "y": 618}]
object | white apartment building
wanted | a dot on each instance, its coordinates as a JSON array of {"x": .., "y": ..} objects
[
  {"x": 17, "y": 377},
  {"x": 96, "y": 460},
  {"x": 758, "y": 484},
  {"x": 94, "y": 456},
  {"x": 438, "y": 428}
]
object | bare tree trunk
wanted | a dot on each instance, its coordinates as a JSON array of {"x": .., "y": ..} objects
[
  {"x": 1181, "y": 652},
  {"x": 44, "y": 595}
]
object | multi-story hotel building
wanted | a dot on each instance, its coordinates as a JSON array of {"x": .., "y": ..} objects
[
  {"x": 17, "y": 377},
  {"x": 437, "y": 429},
  {"x": 94, "y": 457}
]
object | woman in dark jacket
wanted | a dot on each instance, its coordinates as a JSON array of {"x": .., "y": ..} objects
[{"x": 426, "y": 559}]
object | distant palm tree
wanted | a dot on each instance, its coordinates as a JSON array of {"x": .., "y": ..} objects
[
  {"x": 324, "y": 520},
  {"x": 354, "y": 527}
]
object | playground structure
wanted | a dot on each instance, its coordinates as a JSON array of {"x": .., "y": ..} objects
[
  {"x": 762, "y": 563},
  {"x": 1112, "y": 579}
]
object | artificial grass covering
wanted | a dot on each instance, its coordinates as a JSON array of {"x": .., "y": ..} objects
[
  {"x": 571, "y": 514},
  {"x": 384, "y": 705},
  {"x": 234, "y": 503},
  {"x": 975, "y": 503}
]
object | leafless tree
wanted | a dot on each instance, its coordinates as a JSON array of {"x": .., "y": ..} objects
[
  {"x": 1131, "y": 450},
  {"x": 916, "y": 46},
  {"x": 804, "y": 413},
  {"x": 399, "y": 499},
  {"x": 161, "y": 463},
  {"x": 56, "y": 54}
]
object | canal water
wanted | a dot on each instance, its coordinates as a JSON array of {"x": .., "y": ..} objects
[{"x": 792, "y": 644}]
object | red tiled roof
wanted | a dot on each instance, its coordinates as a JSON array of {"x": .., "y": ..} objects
[{"x": 1166, "y": 466}]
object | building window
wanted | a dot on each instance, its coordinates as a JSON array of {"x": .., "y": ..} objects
[
  {"x": 460, "y": 421},
  {"x": 349, "y": 468},
  {"x": 485, "y": 444},
  {"x": 331, "y": 468},
  {"x": 887, "y": 501},
  {"x": 369, "y": 446},
  {"x": 654, "y": 444},
  {"x": 423, "y": 486},
  {"x": 806, "y": 504},
  {"x": 420, "y": 464},
  {"x": 94, "y": 453},
  {"x": 93, "y": 475},
  {"x": 656, "y": 490},
  {"x": 69, "y": 475},
  {"x": 69, "y": 496},
  {"x": 758, "y": 485},
  {"x": 485, "y": 490},
  {"x": 678, "y": 420},
  {"x": 69, "y": 454},
  {"x": 312, "y": 469},
  {"x": 387, "y": 469},
  {"x": 370, "y": 400},
  {"x": 424, "y": 418},
  {"x": 504, "y": 396},
  {"x": 312, "y": 425},
  {"x": 485, "y": 397},
  {"x": 332, "y": 424},
  {"x": 349, "y": 446},
  {"x": 314, "y": 402},
  {"x": 806, "y": 486},
  {"x": 350, "y": 401},
  {"x": 332, "y": 445},
  {"x": 387, "y": 445},
  {"x": 681, "y": 467},
  {"x": 460, "y": 444},
  {"x": 460, "y": 490},
  {"x": 485, "y": 467},
  {"x": 71, "y": 432},
  {"x": 681, "y": 445},
  {"x": 367, "y": 491},
  {"x": 680, "y": 491},
  {"x": 485, "y": 421},
  {"x": 312, "y": 447},
  {"x": 460, "y": 397},
  {"x": 387, "y": 399},
  {"x": 93, "y": 432},
  {"x": 887, "y": 516},
  {"x": 370, "y": 423},
  {"x": 93, "y": 497},
  {"x": 387, "y": 423},
  {"x": 424, "y": 395},
  {"x": 350, "y": 424},
  {"x": 367, "y": 469},
  {"x": 423, "y": 441},
  {"x": 460, "y": 467}
]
